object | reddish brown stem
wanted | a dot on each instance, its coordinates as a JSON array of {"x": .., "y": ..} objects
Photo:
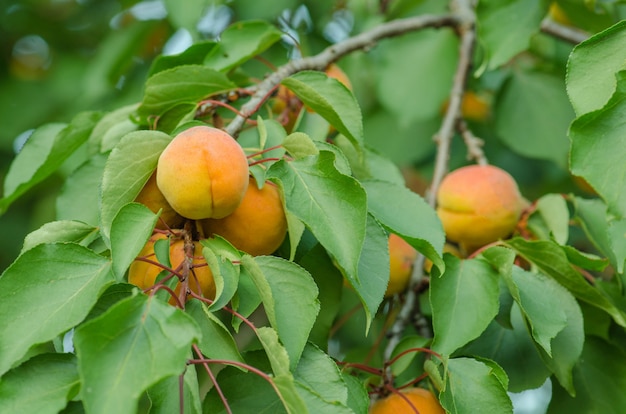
[
  {"x": 205, "y": 363},
  {"x": 262, "y": 161}
]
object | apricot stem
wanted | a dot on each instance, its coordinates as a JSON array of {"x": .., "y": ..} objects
[
  {"x": 205, "y": 363},
  {"x": 263, "y": 160}
]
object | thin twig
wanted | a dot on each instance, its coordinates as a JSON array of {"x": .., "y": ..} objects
[
  {"x": 466, "y": 19},
  {"x": 567, "y": 33},
  {"x": 473, "y": 144},
  {"x": 333, "y": 53}
]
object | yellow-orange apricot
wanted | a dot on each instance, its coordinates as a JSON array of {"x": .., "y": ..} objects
[
  {"x": 203, "y": 173},
  {"x": 478, "y": 204},
  {"x": 334, "y": 71},
  {"x": 258, "y": 226},
  {"x": 401, "y": 258},
  {"x": 422, "y": 401},
  {"x": 143, "y": 274},
  {"x": 474, "y": 107},
  {"x": 151, "y": 197}
]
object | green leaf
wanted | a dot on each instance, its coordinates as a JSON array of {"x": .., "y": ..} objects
[
  {"x": 332, "y": 205},
  {"x": 136, "y": 343},
  {"x": 283, "y": 379},
  {"x": 407, "y": 343},
  {"x": 217, "y": 342},
  {"x": 474, "y": 386},
  {"x": 240, "y": 42},
  {"x": 550, "y": 218},
  {"x": 598, "y": 139},
  {"x": 61, "y": 231},
  {"x": 130, "y": 230},
  {"x": 186, "y": 17},
  {"x": 63, "y": 280},
  {"x": 80, "y": 195},
  {"x": 593, "y": 218},
  {"x": 551, "y": 259},
  {"x": 592, "y": 66},
  {"x": 180, "y": 85},
  {"x": 315, "y": 403},
  {"x": 289, "y": 297},
  {"x": 193, "y": 55},
  {"x": 247, "y": 298},
  {"x": 525, "y": 126},
  {"x": 329, "y": 281},
  {"x": 318, "y": 372},
  {"x": 110, "y": 297},
  {"x": 414, "y": 86},
  {"x": 408, "y": 215},
  {"x": 464, "y": 301},
  {"x": 44, "y": 152},
  {"x": 111, "y": 128},
  {"x": 506, "y": 27},
  {"x": 514, "y": 350},
  {"x": 165, "y": 396},
  {"x": 599, "y": 379},
  {"x": 299, "y": 145},
  {"x": 373, "y": 276},
  {"x": 535, "y": 294},
  {"x": 358, "y": 398},
  {"x": 220, "y": 255},
  {"x": 331, "y": 99},
  {"x": 41, "y": 385},
  {"x": 128, "y": 168}
]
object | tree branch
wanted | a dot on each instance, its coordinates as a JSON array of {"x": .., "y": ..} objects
[
  {"x": 567, "y": 33},
  {"x": 466, "y": 22},
  {"x": 363, "y": 41}
]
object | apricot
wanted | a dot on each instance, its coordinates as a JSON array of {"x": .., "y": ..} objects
[
  {"x": 153, "y": 198},
  {"x": 478, "y": 204},
  {"x": 143, "y": 274},
  {"x": 401, "y": 258},
  {"x": 423, "y": 401},
  {"x": 258, "y": 226},
  {"x": 203, "y": 173},
  {"x": 474, "y": 107},
  {"x": 334, "y": 71}
]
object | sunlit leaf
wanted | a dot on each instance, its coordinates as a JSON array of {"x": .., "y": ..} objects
[{"x": 61, "y": 231}]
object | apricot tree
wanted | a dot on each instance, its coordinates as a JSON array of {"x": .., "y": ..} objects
[{"x": 231, "y": 241}]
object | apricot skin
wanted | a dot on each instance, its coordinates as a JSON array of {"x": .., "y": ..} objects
[
  {"x": 478, "y": 205},
  {"x": 203, "y": 173},
  {"x": 151, "y": 197},
  {"x": 144, "y": 275},
  {"x": 258, "y": 226},
  {"x": 423, "y": 400},
  {"x": 401, "y": 258}
]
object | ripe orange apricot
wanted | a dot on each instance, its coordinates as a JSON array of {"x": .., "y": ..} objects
[
  {"x": 401, "y": 258},
  {"x": 258, "y": 226},
  {"x": 203, "y": 173},
  {"x": 151, "y": 197},
  {"x": 334, "y": 71},
  {"x": 423, "y": 401},
  {"x": 474, "y": 107},
  {"x": 478, "y": 204},
  {"x": 144, "y": 275}
]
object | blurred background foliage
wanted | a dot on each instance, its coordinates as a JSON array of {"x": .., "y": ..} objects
[{"x": 61, "y": 57}]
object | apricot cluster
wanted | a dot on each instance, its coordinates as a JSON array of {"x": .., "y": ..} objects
[
  {"x": 478, "y": 204},
  {"x": 203, "y": 175},
  {"x": 144, "y": 272}
]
